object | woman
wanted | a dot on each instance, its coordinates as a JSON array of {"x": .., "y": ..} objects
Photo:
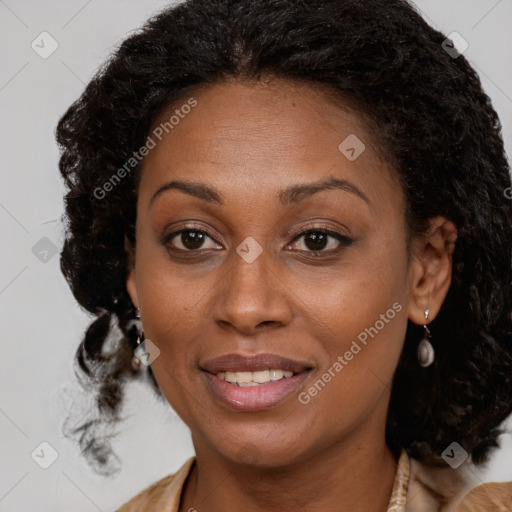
[{"x": 297, "y": 214}]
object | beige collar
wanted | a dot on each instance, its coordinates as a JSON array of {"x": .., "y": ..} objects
[
  {"x": 400, "y": 485},
  {"x": 421, "y": 488},
  {"x": 437, "y": 489}
]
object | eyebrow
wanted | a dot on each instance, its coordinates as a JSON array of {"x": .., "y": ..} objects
[{"x": 289, "y": 196}]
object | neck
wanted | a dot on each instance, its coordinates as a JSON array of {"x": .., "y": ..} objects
[{"x": 342, "y": 478}]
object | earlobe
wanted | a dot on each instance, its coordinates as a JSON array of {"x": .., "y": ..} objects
[
  {"x": 431, "y": 269},
  {"x": 131, "y": 287}
]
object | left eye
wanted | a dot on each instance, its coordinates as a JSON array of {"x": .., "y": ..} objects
[{"x": 317, "y": 240}]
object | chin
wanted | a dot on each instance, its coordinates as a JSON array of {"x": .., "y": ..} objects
[{"x": 263, "y": 453}]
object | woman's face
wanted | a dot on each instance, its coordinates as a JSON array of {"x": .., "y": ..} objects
[{"x": 253, "y": 275}]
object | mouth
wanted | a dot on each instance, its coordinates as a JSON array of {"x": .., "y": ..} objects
[
  {"x": 257, "y": 378},
  {"x": 253, "y": 383}
]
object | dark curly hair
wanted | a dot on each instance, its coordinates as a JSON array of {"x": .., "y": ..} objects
[{"x": 427, "y": 113}]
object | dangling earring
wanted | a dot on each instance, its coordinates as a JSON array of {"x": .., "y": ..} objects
[
  {"x": 140, "y": 339},
  {"x": 425, "y": 349}
]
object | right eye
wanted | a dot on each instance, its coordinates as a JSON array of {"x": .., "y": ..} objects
[{"x": 189, "y": 239}]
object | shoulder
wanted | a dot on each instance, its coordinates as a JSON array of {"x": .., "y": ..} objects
[
  {"x": 490, "y": 496},
  {"x": 164, "y": 493},
  {"x": 152, "y": 496},
  {"x": 448, "y": 490}
]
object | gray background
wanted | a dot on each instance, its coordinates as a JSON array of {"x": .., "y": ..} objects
[{"x": 41, "y": 324}]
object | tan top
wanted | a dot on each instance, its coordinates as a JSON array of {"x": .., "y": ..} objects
[{"x": 416, "y": 488}]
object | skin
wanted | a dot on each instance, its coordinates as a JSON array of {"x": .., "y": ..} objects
[{"x": 249, "y": 142}]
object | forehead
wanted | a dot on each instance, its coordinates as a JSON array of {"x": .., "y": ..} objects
[{"x": 254, "y": 138}]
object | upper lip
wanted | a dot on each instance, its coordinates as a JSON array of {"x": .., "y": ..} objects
[{"x": 253, "y": 363}]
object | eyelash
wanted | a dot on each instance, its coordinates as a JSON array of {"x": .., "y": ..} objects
[{"x": 344, "y": 240}]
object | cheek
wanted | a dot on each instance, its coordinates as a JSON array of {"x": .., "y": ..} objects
[
  {"x": 362, "y": 353},
  {"x": 371, "y": 279},
  {"x": 165, "y": 289},
  {"x": 173, "y": 306},
  {"x": 365, "y": 311},
  {"x": 173, "y": 320}
]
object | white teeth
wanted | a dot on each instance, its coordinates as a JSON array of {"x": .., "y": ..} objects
[
  {"x": 244, "y": 379},
  {"x": 239, "y": 377},
  {"x": 277, "y": 374},
  {"x": 261, "y": 376}
]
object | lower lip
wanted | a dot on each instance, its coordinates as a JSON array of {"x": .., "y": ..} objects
[{"x": 254, "y": 398}]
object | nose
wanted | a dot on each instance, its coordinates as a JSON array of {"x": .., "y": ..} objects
[{"x": 252, "y": 295}]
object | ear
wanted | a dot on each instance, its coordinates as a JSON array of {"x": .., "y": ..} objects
[
  {"x": 131, "y": 282},
  {"x": 431, "y": 269}
]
